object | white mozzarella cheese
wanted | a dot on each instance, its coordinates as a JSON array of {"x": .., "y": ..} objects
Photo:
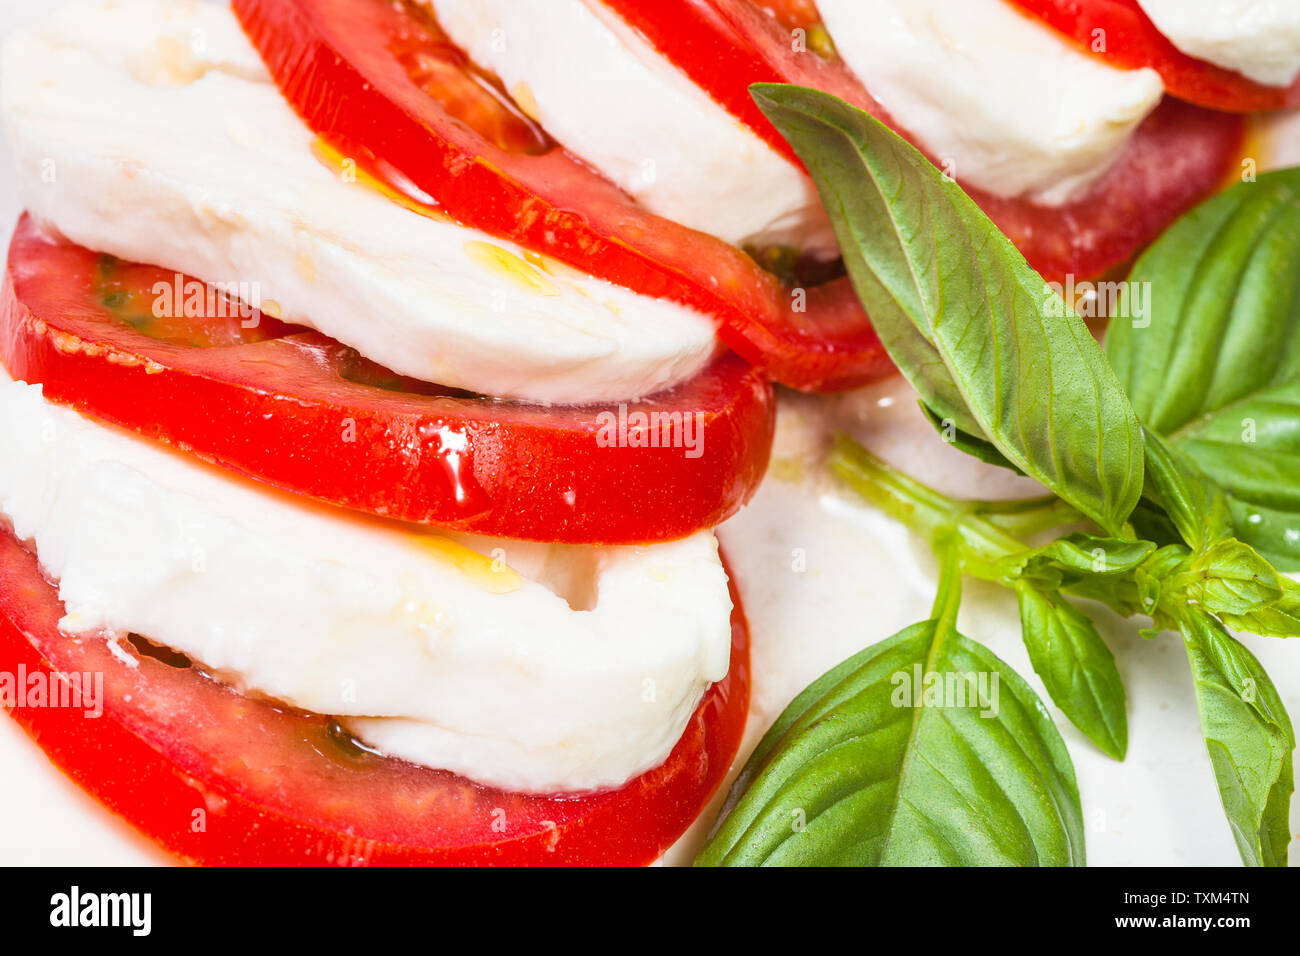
[
  {"x": 150, "y": 130},
  {"x": 530, "y": 667},
  {"x": 1001, "y": 100},
  {"x": 604, "y": 92},
  {"x": 1259, "y": 39}
]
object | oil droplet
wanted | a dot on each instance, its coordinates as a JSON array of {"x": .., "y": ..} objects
[
  {"x": 820, "y": 42},
  {"x": 505, "y": 263},
  {"x": 554, "y": 267},
  {"x": 493, "y": 576},
  {"x": 522, "y": 94}
]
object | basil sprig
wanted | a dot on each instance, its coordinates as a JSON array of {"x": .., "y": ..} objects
[
  {"x": 849, "y": 774},
  {"x": 1214, "y": 367},
  {"x": 962, "y": 314}
]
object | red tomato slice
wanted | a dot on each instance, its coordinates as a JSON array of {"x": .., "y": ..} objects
[
  {"x": 1178, "y": 156},
  {"x": 379, "y": 79},
  {"x": 306, "y": 414},
  {"x": 219, "y": 778},
  {"x": 1132, "y": 41}
]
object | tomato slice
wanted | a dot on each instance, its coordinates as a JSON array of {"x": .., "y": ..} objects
[
  {"x": 379, "y": 79},
  {"x": 219, "y": 778},
  {"x": 1176, "y": 157},
  {"x": 304, "y": 413},
  {"x": 1133, "y": 41}
]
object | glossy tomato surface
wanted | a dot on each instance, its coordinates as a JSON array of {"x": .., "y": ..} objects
[
  {"x": 219, "y": 778},
  {"x": 1179, "y": 155},
  {"x": 306, "y": 414},
  {"x": 379, "y": 80},
  {"x": 1120, "y": 32}
]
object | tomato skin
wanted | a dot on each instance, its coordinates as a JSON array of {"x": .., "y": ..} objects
[
  {"x": 274, "y": 792},
  {"x": 1180, "y": 155},
  {"x": 323, "y": 53},
  {"x": 277, "y": 408},
  {"x": 1133, "y": 42},
  {"x": 1177, "y": 157}
]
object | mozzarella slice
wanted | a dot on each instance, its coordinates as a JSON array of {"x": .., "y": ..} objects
[
  {"x": 1000, "y": 100},
  {"x": 604, "y": 92},
  {"x": 1258, "y": 38},
  {"x": 150, "y": 130},
  {"x": 529, "y": 667}
]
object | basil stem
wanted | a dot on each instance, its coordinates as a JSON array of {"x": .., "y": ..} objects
[{"x": 1076, "y": 666}]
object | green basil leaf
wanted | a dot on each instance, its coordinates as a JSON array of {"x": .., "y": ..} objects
[
  {"x": 1079, "y": 555},
  {"x": 1216, "y": 369},
  {"x": 1196, "y": 505},
  {"x": 976, "y": 447},
  {"x": 877, "y": 763},
  {"x": 1249, "y": 736},
  {"x": 1230, "y": 578},
  {"x": 1151, "y": 523},
  {"x": 962, "y": 314},
  {"x": 1076, "y": 667},
  {"x": 1260, "y": 472},
  {"x": 1279, "y": 619},
  {"x": 1273, "y": 533}
]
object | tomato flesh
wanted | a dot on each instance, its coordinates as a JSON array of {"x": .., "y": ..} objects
[
  {"x": 219, "y": 778},
  {"x": 1132, "y": 41},
  {"x": 1176, "y": 157},
  {"x": 792, "y": 13},
  {"x": 333, "y": 61},
  {"x": 304, "y": 413}
]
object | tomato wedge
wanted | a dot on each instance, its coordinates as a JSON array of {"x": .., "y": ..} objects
[
  {"x": 1175, "y": 158},
  {"x": 379, "y": 79},
  {"x": 302, "y": 412},
  {"x": 219, "y": 778},
  {"x": 1133, "y": 41}
]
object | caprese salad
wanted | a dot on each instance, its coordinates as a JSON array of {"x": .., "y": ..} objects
[{"x": 376, "y": 372}]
